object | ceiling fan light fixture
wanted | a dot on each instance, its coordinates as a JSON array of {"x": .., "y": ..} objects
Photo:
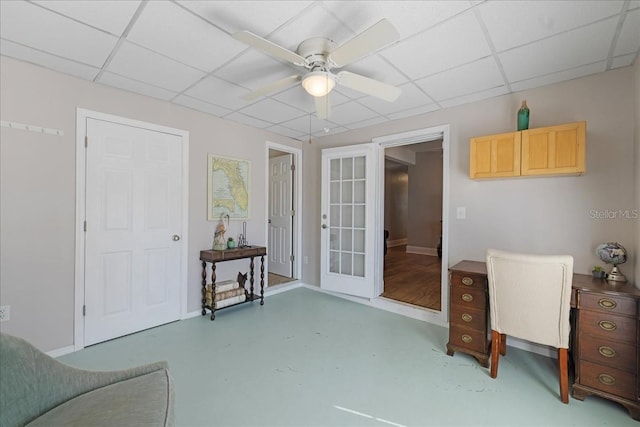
[{"x": 318, "y": 83}]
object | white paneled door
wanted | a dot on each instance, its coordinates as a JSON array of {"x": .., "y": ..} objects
[
  {"x": 133, "y": 245},
  {"x": 348, "y": 239},
  {"x": 280, "y": 214}
]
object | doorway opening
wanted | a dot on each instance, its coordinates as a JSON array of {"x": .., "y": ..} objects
[
  {"x": 413, "y": 224},
  {"x": 419, "y": 161},
  {"x": 283, "y": 214}
]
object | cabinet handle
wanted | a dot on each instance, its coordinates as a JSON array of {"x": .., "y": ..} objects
[
  {"x": 607, "y": 303},
  {"x": 467, "y": 297},
  {"x": 466, "y": 339},
  {"x": 467, "y": 317},
  {"x": 467, "y": 281},
  {"x": 606, "y": 379},
  {"x": 607, "y": 325},
  {"x": 606, "y": 351}
]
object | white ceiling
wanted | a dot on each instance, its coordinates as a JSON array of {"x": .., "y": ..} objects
[{"x": 449, "y": 52}]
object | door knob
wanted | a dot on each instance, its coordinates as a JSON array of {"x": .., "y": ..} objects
[
  {"x": 175, "y": 237},
  {"x": 324, "y": 225}
]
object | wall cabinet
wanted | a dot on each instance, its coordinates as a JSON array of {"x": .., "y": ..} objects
[{"x": 553, "y": 150}]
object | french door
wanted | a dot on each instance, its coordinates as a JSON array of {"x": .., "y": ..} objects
[{"x": 349, "y": 242}]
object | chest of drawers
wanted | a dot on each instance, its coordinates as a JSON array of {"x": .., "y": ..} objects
[{"x": 469, "y": 312}]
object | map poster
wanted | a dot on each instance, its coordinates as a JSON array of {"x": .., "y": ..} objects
[{"x": 228, "y": 188}]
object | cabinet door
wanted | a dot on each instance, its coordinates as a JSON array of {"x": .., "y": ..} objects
[
  {"x": 554, "y": 150},
  {"x": 495, "y": 156}
]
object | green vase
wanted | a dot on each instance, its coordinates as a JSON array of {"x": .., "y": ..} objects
[{"x": 523, "y": 116}]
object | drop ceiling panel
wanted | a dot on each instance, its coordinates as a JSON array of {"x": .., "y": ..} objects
[
  {"x": 233, "y": 16},
  {"x": 414, "y": 111},
  {"x": 253, "y": 70},
  {"x": 272, "y": 111},
  {"x": 219, "y": 92},
  {"x": 202, "y": 106},
  {"x": 46, "y": 60},
  {"x": 115, "y": 80},
  {"x": 514, "y": 23},
  {"x": 409, "y": 17},
  {"x": 184, "y": 36},
  {"x": 562, "y": 52},
  {"x": 480, "y": 75},
  {"x": 455, "y": 42},
  {"x": 33, "y": 26},
  {"x": 307, "y": 123},
  {"x": 108, "y": 15},
  {"x": 473, "y": 97},
  {"x": 351, "y": 112},
  {"x": 630, "y": 34},
  {"x": 547, "y": 79},
  {"x": 281, "y": 130},
  {"x": 144, "y": 65},
  {"x": 410, "y": 97},
  {"x": 248, "y": 120}
]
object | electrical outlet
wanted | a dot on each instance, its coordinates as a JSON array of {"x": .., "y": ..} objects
[{"x": 5, "y": 313}]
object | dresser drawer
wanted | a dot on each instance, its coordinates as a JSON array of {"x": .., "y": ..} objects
[
  {"x": 611, "y": 353},
  {"x": 471, "y": 339},
  {"x": 608, "y": 304},
  {"x": 468, "y": 297},
  {"x": 469, "y": 280},
  {"x": 468, "y": 316},
  {"x": 609, "y": 380},
  {"x": 608, "y": 326}
]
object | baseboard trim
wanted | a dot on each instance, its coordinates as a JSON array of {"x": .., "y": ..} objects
[
  {"x": 422, "y": 250},
  {"x": 397, "y": 242}
]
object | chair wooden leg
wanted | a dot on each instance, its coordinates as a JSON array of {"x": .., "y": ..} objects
[
  {"x": 563, "y": 361},
  {"x": 503, "y": 344},
  {"x": 495, "y": 352}
]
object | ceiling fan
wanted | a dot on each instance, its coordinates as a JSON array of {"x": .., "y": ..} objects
[{"x": 319, "y": 56}]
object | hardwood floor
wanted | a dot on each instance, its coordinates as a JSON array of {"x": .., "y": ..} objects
[{"x": 412, "y": 278}]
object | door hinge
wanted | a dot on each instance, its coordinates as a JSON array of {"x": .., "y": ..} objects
[
  {"x": 292, "y": 258},
  {"x": 84, "y": 310},
  {"x": 86, "y": 141},
  {"x": 293, "y": 167},
  {"x": 293, "y": 212},
  {"x": 85, "y": 226}
]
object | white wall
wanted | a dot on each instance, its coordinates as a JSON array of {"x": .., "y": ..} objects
[
  {"x": 38, "y": 191},
  {"x": 539, "y": 215},
  {"x": 637, "y": 167}
]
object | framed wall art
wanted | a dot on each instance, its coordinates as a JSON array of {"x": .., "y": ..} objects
[{"x": 227, "y": 188}]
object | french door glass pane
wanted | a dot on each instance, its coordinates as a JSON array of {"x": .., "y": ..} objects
[{"x": 347, "y": 200}]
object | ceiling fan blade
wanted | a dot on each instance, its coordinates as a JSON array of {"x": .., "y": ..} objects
[
  {"x": 323, "y": 107},
  {"x": 373, "y": 38},
  {"x": 272, "y": 87},
  {"x": 271, "y": 48},
  {"x": 369, "y": 86}
]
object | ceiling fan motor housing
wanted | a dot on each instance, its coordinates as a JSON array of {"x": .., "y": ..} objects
[{"x": 315, "y": 51}]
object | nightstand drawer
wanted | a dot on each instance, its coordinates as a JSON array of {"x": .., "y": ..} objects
[
  {"x": 611, "y": 353},
  {"x": 468, "y": 317},
  {"x": 608, "y": 326},
  {"x": 468, "y": 338},
  {"x": 468, "y": 297},
  {"x": 609, "y": 380},
  {"x": 470, "y": 281},
  {"x": 608, "y": 304}
]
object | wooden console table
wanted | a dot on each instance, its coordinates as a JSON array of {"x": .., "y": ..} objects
[
  {"x": 214, "y": 257},
  {"x": 605, "y": 332}
]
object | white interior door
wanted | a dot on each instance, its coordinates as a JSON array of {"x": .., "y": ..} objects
[
  {"x": 280, "y": 214},
  {"x": 133, "y": 233},
  {"x": 349, "y": 240}
]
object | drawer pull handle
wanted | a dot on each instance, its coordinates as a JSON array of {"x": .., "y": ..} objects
[
  {"x": 606, "y": 379},
  {"x": 467, "y": 297},
  {"x": 467, "y": 317},
  {"x": 467, "y": 281},
  {"x": 607, "y": 303},
  {"x": 606, "y": 351},
  {"x": 466, "y": 339},
  {"x": 607, "y": 325}
]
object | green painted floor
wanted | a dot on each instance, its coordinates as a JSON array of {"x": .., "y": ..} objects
[{"x": 310, "y": 359}]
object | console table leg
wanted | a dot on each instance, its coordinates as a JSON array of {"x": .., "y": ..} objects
[
  {"x": 251, "y": 266},
  {"x": 213, "y": 291},
  {"x": 204, "y": 287},
  {"x": 262, "y": 280}
]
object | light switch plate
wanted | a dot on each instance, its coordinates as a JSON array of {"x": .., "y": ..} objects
[{"x": 461, "y": 212}]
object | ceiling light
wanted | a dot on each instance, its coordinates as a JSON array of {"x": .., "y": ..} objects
[{"x": 318, "y": 83}]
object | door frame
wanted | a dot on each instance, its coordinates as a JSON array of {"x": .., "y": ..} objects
[
  {"x": 296, "y": 244},
  {"x": 81, "y": 169},
  {"x": 406, "y": 138}
]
